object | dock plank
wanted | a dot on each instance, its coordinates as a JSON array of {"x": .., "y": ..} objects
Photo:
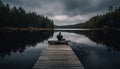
[{"x": 58, "y": 57}]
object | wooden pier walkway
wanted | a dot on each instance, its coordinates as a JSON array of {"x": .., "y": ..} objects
[{"x": 58, "y": 56}]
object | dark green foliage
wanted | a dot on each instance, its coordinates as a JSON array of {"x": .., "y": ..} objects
[
  {"x": 17, "y": 17},
  {"x": 110, "y": 19}
]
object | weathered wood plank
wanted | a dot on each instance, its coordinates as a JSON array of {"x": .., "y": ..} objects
[
  {"x": 59, "y": 68},
  {"x": 53, "y": 42},
  {"x": 58, "y": 57}
]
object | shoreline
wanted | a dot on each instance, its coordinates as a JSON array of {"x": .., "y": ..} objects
[{"x": 23, "y": 29}]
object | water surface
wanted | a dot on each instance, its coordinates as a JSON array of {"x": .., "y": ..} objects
[{"x": 95, "y": 49}]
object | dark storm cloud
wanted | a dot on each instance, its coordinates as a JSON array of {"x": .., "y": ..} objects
[
  {"x": 76, "y": 7},
  {"x": 24, "y": 3},
  {"x": 13, "y": 1},
  {"x": 69, "y": 7},
  {"x": 66, "y": 11}
]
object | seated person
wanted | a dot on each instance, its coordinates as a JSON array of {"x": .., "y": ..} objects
[{"x": 59, "y": 36}]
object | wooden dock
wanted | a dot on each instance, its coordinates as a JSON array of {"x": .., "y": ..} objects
[{"x": 58, "y": 56}]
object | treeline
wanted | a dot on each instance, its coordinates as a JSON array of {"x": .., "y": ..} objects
[
  {"x": 79, "y": 25},
  {"x": 18, "y": 17},
  {"x": 109, "y": 20}
]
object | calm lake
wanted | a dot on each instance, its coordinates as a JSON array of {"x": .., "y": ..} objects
[{"x": 95, "y": 49}]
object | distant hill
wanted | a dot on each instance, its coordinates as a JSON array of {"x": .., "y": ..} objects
[
  {"x": 110, "y": 19},
  {"x": 79, "y": 25},
  {"x": 107, "y": 20}
]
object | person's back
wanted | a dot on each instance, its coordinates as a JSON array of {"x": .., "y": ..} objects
[{"x": 59, "y": 36}]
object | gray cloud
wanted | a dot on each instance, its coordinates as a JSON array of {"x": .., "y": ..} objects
[
  {"x": 65, "y": 12},
  {"x": 13, "y": 1},
  {"x": 76, "y": 7},
  {"x": 27, "y": 4}
]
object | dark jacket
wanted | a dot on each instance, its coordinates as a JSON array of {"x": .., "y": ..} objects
[{"x": 59, "y": 37}]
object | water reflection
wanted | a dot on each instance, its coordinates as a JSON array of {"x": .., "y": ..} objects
[
  {"x": 95, "y": 49},
  {"x": 18, "y": 41},
  {"x": 109, "y": 39}
]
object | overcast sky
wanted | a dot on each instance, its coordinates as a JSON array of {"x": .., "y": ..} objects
[{"x": 66, "y": 12}]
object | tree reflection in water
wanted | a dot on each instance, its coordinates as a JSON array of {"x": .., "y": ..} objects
[
  {"x": 17, "y": 41},
  {"x": 110, "y": 39}
]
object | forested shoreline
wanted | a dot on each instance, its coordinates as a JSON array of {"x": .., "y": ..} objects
[
  {"x": 19, "y": 18},
  {"x": 14, "y": 18},
  {"x": 108, "y": 20}
]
